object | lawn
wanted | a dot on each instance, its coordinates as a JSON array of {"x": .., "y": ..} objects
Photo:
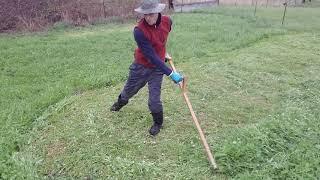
[{"x": 253, "y": 83}]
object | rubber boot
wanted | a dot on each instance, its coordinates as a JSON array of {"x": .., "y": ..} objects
[
  {"x": 157, "y": 123},
  {"x": 118, "y": 105}
]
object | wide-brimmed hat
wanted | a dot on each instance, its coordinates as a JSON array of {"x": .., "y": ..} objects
[{"x": 150, "y": 6}]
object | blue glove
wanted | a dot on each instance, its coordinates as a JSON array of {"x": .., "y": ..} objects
[{"x": 176, "y": 77}]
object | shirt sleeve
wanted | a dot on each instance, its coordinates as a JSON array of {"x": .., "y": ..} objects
[{"x": 149, "y": 52}]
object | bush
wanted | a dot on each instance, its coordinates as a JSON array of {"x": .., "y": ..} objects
[{"x": 34, "y": 15}]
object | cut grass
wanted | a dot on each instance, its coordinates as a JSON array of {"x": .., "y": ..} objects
[{"x": 254, "y": 86}]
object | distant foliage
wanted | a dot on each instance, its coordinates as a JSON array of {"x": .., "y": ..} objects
[
  {"x": 33, "y": 15},
  {"x": 17, "y": 14}
]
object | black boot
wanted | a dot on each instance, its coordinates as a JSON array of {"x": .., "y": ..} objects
[
  {"x": 118, "y": 105},
  {"x": 157, "y": 123}
]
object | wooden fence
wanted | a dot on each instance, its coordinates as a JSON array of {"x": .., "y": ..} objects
[{"x": 260, "y": 2}]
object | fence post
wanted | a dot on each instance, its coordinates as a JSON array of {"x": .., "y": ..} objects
[
  {"x": 285, "y": 10},
  {"x": 104, "y": 9},
  {"x": 255, "y": 8}
]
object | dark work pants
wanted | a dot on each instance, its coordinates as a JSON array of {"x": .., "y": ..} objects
[{"x": 139, "y": 76}]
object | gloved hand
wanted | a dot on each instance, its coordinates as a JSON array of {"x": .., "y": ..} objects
[{"x": 176, "y": 77}]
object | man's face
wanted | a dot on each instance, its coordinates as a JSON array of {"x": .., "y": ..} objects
[{"x": 151, "y": 18}]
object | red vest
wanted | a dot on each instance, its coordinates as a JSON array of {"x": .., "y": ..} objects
[{"x": 157, "y": 36}]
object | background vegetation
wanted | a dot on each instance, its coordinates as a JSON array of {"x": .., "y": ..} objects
[
  {"x": 253, "y": 83},
  {"x": 35, "y": 15}
]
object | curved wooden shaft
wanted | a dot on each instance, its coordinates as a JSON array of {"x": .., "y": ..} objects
[
  {"x": 202, "y": 137},
  {"x": 194, "y": 118}
]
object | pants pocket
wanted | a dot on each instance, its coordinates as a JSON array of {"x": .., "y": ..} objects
[{"x": 138, "y": 70}]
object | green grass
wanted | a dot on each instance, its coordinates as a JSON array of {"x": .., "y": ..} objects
[{"x": 253, "y": 83}]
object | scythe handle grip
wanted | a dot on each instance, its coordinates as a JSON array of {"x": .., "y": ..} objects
[{"x": 171, "y": 64}]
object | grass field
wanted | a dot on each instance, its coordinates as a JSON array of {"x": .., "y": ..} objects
[{"x": 254, "y": 85}]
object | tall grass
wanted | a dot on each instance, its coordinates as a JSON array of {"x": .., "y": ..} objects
[
  {"x": 38, "y": 71},
  {"x": 253, "y": 83}
]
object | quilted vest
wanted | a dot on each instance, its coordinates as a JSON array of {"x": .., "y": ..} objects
[{"x": 157, "y": 36}]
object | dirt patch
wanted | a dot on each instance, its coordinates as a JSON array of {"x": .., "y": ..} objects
[{"x": 55, "y": 149}]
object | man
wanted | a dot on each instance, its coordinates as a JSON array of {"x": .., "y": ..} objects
[{"x": 151, "y": 35}]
